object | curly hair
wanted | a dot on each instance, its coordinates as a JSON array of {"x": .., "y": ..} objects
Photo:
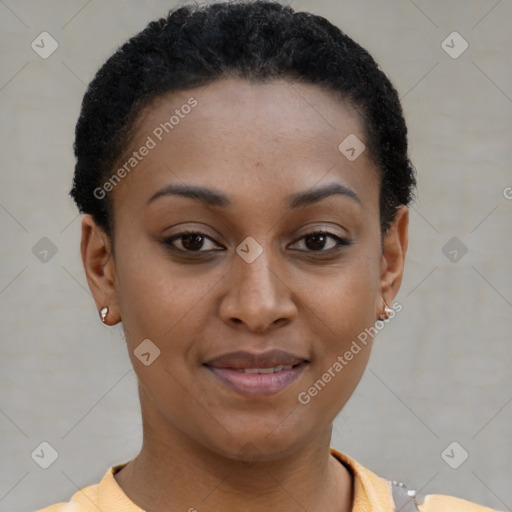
[{"x": 259, "y": 41}]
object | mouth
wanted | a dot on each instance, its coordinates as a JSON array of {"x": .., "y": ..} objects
[
  {"x": 275, "y": 369},
  {"x": 256, "y": 375}
]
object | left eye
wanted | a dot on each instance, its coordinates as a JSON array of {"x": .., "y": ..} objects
[{"x": 319, "y": 238}]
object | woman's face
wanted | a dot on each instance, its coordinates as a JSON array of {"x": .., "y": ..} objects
[{"x": 255, "y": 287}]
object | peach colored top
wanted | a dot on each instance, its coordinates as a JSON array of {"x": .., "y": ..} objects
[{"x": 371, "y": 494}]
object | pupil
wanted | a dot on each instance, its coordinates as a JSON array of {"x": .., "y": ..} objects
[
  {"x": 196, "y": 239},
  {"x": 316, "y": 237}
]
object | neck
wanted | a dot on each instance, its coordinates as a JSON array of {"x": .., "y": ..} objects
[{"x": 176, "y": 473}]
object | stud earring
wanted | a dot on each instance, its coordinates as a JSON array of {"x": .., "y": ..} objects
[
  {"x": 387, "y": 312},
  {"x": 103, "y": 313}
]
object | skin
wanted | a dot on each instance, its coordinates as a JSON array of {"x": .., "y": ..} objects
[{"x": 204, "y": 445}]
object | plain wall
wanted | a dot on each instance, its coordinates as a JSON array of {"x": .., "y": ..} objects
[{"x": 440, "y": 371}]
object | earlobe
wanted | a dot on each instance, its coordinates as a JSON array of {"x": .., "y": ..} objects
[
  {"x": 395, "y": 246},
  {"x": 95, "y": 249}
]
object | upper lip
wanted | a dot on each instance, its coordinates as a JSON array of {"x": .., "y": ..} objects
[{"x": 269, "y": 359}]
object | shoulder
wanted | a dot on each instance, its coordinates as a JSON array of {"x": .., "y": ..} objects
[
  {"x": 375, "y": 493},
  {"x": 79, "y": 502},
  {"x": 440, "y": 503},
  {"x": 106, "y": 496}
]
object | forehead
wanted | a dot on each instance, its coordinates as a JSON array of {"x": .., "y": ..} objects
[
  {"x": 254, "y": 139},
  {"x": 282, "y": 107}
]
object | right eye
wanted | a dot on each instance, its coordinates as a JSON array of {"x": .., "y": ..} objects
[{"x": 191, "y": 241}]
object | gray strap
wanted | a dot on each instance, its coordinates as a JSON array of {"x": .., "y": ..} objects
[{"x": 403, "y": 502}]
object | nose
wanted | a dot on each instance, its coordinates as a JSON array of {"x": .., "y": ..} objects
[{"x": 257, "y": 296}]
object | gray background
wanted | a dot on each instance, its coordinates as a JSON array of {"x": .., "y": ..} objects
[{"x": 440, "y": 371}]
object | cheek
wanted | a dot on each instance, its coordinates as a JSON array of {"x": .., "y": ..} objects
[
  {"x": 346, "y": 297},
  {"x": 156, "y": 296},
  {"x": 345, "y": 314},
  {"x": 339, "y": 361}
]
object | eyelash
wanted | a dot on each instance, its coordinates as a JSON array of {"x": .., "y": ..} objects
[{"x": 340, "y": 242}]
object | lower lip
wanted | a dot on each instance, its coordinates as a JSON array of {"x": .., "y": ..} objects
[{"x": 257, "y": 384}]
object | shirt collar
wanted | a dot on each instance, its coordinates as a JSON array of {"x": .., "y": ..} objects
[{"x": 370, "y": 491}]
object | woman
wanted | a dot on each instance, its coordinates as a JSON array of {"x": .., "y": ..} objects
[{"x": 244, "y": 178}]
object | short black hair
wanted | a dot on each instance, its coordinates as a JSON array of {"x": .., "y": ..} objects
[{"x": 261, "y": 40}]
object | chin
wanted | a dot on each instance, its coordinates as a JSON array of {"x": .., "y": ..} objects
[{"x": 260, "y": 442}]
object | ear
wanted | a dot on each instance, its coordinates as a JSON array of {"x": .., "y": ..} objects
[
  {"x": 393, "y": 256},
  {"x": 96, "y": 251}
]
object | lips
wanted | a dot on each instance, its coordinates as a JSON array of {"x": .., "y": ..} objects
[
  {"x": 249, "y": 361},
  {"x": 255, "y": 375}
]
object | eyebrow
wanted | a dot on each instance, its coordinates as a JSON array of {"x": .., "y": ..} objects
[{"x": 212, "y": 197}]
